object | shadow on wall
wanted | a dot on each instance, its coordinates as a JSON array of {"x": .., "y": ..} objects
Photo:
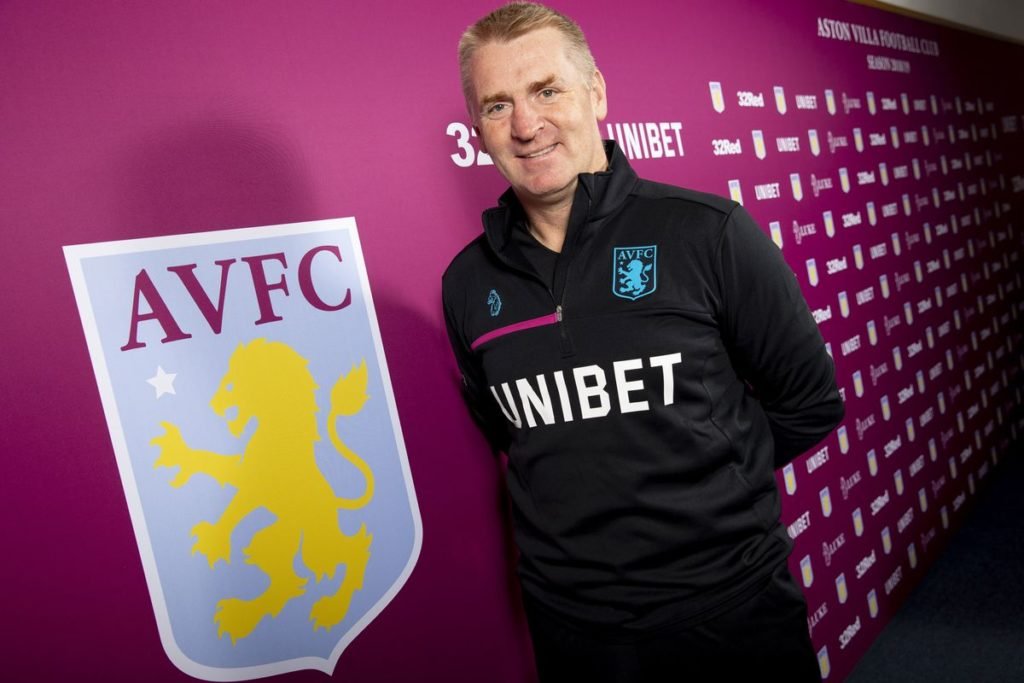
[
  {"x": 213, "y": 174},
  {"x": 449, "y": 557}
]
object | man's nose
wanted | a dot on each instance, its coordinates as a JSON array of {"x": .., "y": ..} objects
[{"x": 525, "y": 121}]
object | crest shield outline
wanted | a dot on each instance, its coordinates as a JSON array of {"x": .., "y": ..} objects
[
  {"x": 135, "y": 407},
  {"x": 634, "y": 271},
  {"x": 830, "y": 102},
  {"x": 717, "y": 97}
]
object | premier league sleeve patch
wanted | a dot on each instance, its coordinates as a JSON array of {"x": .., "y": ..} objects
[
  {"x": 248, "y": 400},
  {"x": 634, "y": 271}
]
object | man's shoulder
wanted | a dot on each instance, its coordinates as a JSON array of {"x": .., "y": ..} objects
[
  {"x": 686, "y": 198},
  {"x": 469, "y": 260}
]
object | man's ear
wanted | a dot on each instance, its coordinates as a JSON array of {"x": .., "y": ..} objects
[{"x": 599, "y": 96}]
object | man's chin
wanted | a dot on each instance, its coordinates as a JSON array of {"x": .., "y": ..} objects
[{"x": 551, "y": 192}]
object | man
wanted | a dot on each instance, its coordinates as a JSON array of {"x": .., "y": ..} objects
[{"x": 644, "y": 356}]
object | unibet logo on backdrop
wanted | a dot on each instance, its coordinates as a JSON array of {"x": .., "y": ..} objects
[{"x": 222, "y": 358}]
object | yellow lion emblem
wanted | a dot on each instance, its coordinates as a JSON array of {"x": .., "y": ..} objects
[{"x": 269, "y": 381}]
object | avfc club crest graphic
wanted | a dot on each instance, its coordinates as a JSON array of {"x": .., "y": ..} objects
[
  {"x": 826, "y": 502},
  {"x": 796, "y": 186},
  {"x": 760, "y": 151},
  {"x": 812, "y": 272},
  {"x": 717, "y": 97},
  {"x": 824, "y": 667},
  {"x": 843, "y": 439},
  {"x": 812, "y": 138},
  {"x": 806, "y": 571},
  {"x": 844, "y": 304},
  {"x": 255, "y": 430},
  {"x": 780, "y": 99},
  {"x": 789, "y": 477},
  {"x": 735, "y": 191},
  {"x": 830, "y": 224},
  {"x": 830, "y": 102},
  {"x": 841, "y": 592},
  {"x": 634, "y": 271}
]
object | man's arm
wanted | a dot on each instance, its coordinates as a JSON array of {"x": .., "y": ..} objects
[
  {"x": 483, "y": 410},
  {"x": 773, "y": 339}
]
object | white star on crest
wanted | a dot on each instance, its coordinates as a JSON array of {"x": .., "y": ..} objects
[{"x": 162, "y": 381}]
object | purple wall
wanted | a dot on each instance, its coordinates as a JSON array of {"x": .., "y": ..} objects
[{"x": 147, "y": 119}]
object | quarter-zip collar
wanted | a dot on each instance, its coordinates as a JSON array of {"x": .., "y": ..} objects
[{"x": 597, "y": 194}]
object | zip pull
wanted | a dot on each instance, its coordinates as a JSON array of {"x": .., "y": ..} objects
[{"x": 558, "y": 312}]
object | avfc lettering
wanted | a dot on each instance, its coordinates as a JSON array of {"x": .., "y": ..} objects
[{"x": 146, "y": 291}]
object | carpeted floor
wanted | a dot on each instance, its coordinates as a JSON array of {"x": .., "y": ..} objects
[{"x": 965, "y": 621}]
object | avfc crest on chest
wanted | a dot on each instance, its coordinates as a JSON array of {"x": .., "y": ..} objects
[{"x": 634, "y": 271}]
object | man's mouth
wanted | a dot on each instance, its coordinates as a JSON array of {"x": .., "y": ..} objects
[{"x": 539, "y": 153}]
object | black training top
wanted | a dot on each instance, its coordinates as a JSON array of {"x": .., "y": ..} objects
[{"x": 645, "y": 395}]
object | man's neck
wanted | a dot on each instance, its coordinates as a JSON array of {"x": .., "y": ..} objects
[{"x": 549, "y": 224}]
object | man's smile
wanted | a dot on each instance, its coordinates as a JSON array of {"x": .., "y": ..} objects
[{"x": 539, "y": 153}]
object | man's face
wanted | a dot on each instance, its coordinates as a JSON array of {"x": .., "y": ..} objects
[{"x": 536, "y": 115}]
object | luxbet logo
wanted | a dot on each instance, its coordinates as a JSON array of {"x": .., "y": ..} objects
[{"x": 222, "y": 358}]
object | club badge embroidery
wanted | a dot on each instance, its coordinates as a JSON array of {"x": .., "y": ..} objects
[
  {"x": 634, "y": 271},
  {"x": 255, "y": 430}
]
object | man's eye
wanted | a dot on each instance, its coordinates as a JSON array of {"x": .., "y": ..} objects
[
  {"x": 497, "y": 109},
  {"x": 547, "y": 93}
]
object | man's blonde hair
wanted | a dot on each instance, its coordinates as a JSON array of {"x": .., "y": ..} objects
[{"x": 517, "y": 19}]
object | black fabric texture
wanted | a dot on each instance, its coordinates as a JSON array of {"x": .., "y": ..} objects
[{"x": 643, "y": 426}]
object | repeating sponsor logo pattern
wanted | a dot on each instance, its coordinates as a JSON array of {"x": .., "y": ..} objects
[{"x": 907, "y": 252}]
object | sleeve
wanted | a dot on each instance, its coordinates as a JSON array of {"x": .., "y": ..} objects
[
  {"x": 483, "y": 410},
  {"x": 773, "y": 340}
]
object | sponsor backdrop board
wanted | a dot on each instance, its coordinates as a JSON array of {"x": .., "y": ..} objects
[{"x": 196, "y": 193}]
